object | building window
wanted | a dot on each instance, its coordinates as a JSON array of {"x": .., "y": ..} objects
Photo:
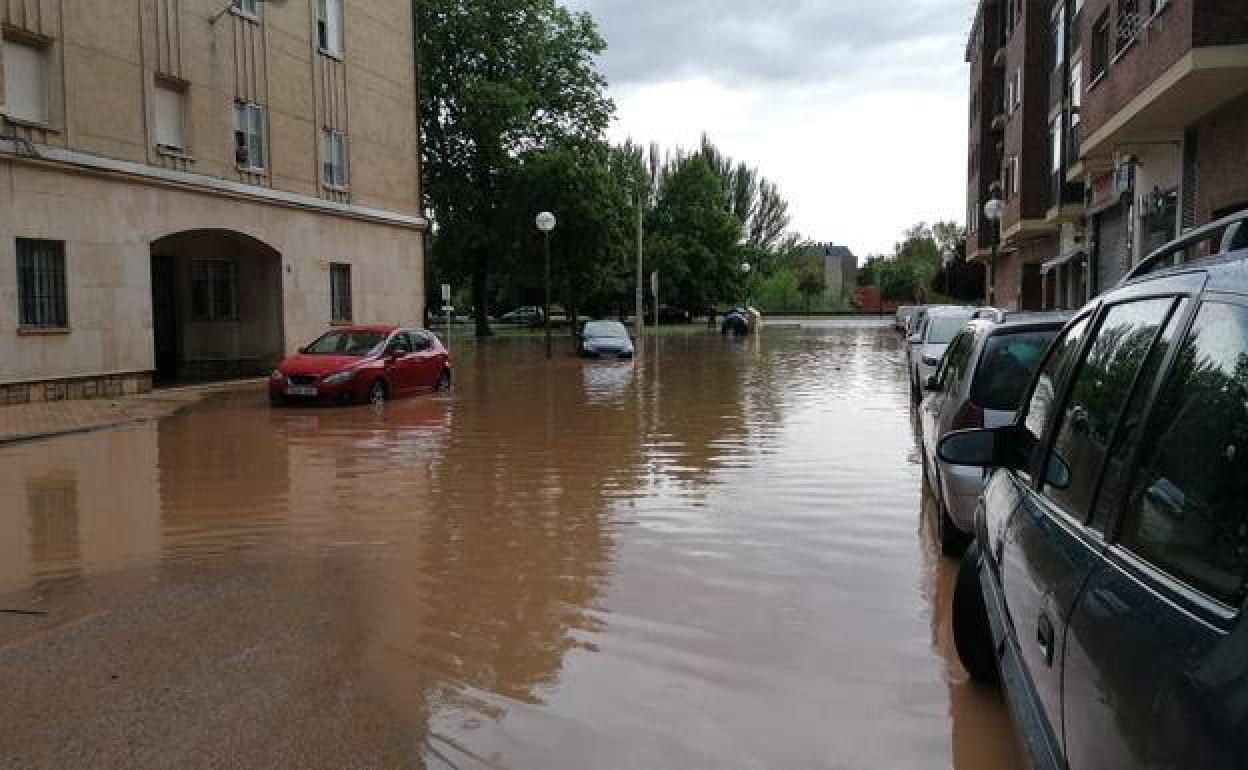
[
  {"x": 247, "y": 7},
  {"x": 214, "y": 290},
  {"x": 1100, "y": 46},
  {"x": 329, "y": 26},
  {"x": 333, "y": 158},
  {"x": 25, "y": 82},
  {"x": 170, "y": 108},
  {"x": 1129, "y": 22},
  {"x": 1076, "y": 91},
  {"x": 1059, "y": 37},
  {"x": 249, "y": 145},
  {"x": 1055, "y": 140},
  {"x": 1157, "y": 6},
  {"x": 339, "y": 292},
  {"x": 41, "y": 284}
]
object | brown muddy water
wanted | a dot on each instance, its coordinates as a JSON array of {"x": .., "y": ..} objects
[{"x": 715, "y": 557}]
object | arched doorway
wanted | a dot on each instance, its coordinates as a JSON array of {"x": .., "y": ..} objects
[{"x": 216, "y": 306}]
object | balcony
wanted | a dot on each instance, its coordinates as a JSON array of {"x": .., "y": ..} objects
[{"x": 1166, "y": 72}]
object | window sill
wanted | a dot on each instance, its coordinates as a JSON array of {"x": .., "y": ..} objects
[
  {"x": 174, "y": 152},
  {"x": 335, "y": 188},
  {"x": 1124, "y": 50},
  {"x": 42, "y": 331},
  {"x": 244, "y": 15},
  {"x": 253, "y": 170},
  {"x": 27, "y": 123},
  {"x": 329, "y": 54}
]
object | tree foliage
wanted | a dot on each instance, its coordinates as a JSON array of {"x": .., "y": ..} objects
[{"x": 498, "y": 79}]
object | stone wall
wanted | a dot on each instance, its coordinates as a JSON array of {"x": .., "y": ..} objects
[{"x": 108, "y": 224}]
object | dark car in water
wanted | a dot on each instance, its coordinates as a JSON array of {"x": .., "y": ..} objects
[
  {"x": 605, "y": 338},
  {"x": 1108, "y": 583},
  {"x": 360, "y": 364}
]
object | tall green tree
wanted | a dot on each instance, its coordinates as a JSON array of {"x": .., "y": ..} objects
[
  {"x": 498, "y": 79},
  {"x": 592, "y": 188},
  {"x": 693, "y": 238}
]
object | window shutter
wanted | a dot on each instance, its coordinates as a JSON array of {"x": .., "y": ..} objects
[
  {"x": 25, "y": 82},
  {"x": 170, "y": 129}
]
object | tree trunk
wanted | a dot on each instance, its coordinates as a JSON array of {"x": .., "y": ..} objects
[{"x": 480, "y": 303}]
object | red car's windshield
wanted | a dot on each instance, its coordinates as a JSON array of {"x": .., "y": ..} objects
[{"x": 346, "y": 343}]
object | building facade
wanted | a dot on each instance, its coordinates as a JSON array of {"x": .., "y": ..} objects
[
  {"x": 1146, "y": 122},
  {"x": 194, "y": 188},
  {"x": 840, "y": 272}
]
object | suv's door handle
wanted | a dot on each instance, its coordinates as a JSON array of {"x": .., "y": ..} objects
[{"x": 1044, "y": 637}]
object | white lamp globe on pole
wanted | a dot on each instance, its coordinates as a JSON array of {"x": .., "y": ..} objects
[
  {"x": 994, "y": 209},
  {"x": 545, "y": 222}
]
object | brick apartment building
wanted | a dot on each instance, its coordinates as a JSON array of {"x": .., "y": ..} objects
[
  {"x": 193, "y": 188},
  {"x": 1133, "y": 126}
]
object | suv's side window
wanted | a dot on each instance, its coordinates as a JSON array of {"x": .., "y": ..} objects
[
  {"x": 1040, "y": 404},
  {"x": 1097, "y": 394},
  {"x": 1188, "y": 507}
]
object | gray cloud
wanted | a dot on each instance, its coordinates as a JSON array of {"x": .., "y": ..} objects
[{"x": 862, "y": 43}]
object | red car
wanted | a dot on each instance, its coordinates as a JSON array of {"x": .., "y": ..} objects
[{"x": 360, "y": 364}]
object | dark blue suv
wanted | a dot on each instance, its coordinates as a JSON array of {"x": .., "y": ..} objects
[{"x": 1108, "y": 582}]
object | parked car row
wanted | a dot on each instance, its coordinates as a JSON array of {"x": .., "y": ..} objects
[{"x": 1094, "y": 465}]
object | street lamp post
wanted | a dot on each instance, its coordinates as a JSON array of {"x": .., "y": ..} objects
[
  {"x": 993, "y": 210},
  {"x": 946, "y": 262},
  {"x": 546, "y": 222},
  {"x": 745, "y": 272}
]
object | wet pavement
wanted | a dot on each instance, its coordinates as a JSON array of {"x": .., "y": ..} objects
[{"x": 718, "y": 556}]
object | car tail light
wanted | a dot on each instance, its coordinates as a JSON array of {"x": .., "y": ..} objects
[{"x": 969, "y": 416}]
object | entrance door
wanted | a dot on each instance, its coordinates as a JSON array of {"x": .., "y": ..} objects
[{"x": 164, "y": 318}]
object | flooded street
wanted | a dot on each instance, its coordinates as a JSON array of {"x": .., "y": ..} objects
[{"x": 718, "y": 556}]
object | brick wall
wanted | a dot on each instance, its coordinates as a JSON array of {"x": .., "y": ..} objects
[
  {"x": 1167, "y": 39},
  {"x": 1222, "y": 160},
  {"x": 1220, "y": 22}
]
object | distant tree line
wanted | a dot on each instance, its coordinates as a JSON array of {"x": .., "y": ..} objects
[{"x": 916, "y": 270}]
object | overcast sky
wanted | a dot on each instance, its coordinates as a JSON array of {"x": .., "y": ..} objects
[{"x": 856, "y": 108}]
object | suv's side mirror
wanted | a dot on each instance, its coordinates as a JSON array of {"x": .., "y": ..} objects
[
  {"x": 932, "y": 383},
  {"x": 303, "y": 350}
]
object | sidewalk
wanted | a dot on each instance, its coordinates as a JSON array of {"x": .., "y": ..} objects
[{"x": 27, "y": 422}]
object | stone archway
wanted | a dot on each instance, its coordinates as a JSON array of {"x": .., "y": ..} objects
[{"x": 216, "y": 306}]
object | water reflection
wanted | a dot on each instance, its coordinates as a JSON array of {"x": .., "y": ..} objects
[{"x": 702, "y": 558}]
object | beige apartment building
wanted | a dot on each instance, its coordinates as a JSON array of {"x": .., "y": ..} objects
[{"x": 194, "y": 188}]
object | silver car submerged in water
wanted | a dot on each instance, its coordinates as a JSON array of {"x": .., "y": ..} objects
[
  {"x": 605, "y": 338},
  {"x": 979, "y": 383}
]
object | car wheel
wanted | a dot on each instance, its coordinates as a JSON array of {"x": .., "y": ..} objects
[
  {"x": 953, "y": 541},
  {"x": 971, "y": 635},
  {"x": 377, "y": 393},
  {"x": 444, "y": 381}
]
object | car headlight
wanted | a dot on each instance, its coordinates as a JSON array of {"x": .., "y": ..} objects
[
  {"x": 339, "y": 378},
  {"x": 277, "y": 375}
]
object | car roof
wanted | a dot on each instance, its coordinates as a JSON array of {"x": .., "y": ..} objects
[
  {"x": 947, "y": 311},
  {"x": 382, "y": 328}
]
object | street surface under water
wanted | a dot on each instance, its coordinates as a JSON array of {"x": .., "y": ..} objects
[{"x": 718, "y": 556}]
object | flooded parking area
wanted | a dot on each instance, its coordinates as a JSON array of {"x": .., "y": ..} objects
[{"x": 716, "y": 556}]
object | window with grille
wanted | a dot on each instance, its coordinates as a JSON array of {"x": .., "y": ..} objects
[
  {"x": 329, "y": 26},
  {"x": 1129, "y": 21},
  {"x": 249, "y": 136},
  {"x": 41, "y": 284},
  {"x": 333, "y": 158},
  {"x": 214, "y": 290},
  {"x": 340, "y": 292}
]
